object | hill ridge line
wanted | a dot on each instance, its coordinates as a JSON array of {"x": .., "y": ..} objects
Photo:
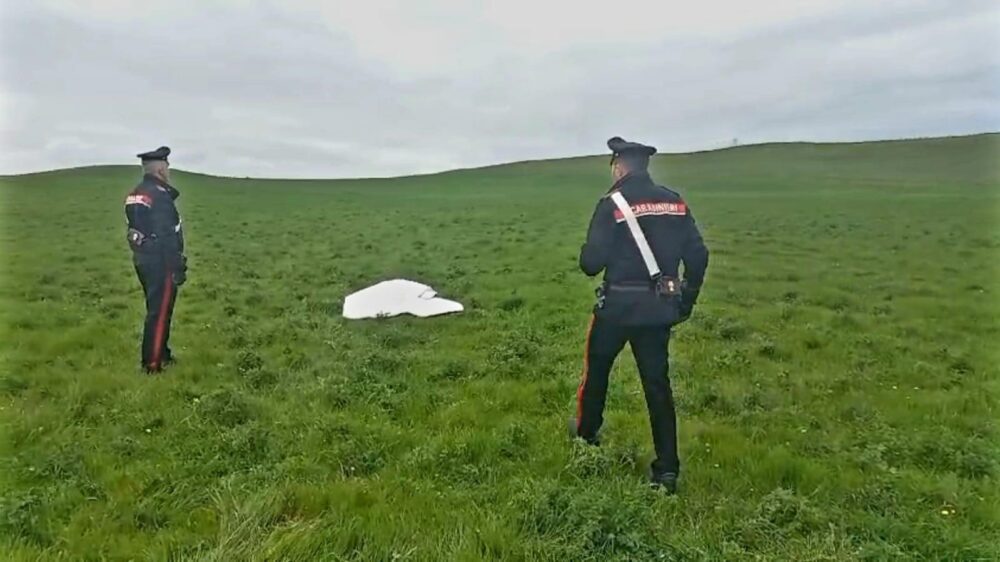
[{"x": 766, "y": 144}]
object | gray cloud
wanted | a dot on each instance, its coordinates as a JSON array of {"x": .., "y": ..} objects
[{"x": 276, "y": 89}]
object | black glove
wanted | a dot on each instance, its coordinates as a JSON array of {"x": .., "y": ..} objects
[
  {"x": 689, "y": 297},
  {"x": 179, "y": 270}
]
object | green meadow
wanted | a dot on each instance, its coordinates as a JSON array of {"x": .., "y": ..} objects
[{"x": 837, "y": 386}]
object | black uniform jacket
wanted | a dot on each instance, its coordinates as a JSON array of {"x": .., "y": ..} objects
[
  {"x": 154, "y": 224},
  {"x": 673, "y": 237}
]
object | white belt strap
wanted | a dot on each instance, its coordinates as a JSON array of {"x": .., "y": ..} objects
[{"x": 637, "y": 234}]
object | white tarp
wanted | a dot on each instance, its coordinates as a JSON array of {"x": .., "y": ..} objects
[{"x": 395, "y": 297}]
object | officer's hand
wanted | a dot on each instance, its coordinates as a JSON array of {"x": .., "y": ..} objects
[
  {"x": 686, "y": 308},
  {"x": 685, "y": 315},
  {"x": 688, "y": 299},
  {"x": 180, "y": 271}
]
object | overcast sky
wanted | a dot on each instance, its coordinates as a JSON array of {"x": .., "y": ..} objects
[{"x": 300, "y": 88}]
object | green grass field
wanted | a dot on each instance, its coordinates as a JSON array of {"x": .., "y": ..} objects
[{"x": 837, "y": 388}]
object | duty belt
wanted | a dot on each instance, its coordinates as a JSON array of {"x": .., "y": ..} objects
[
  {"x": 666, "y": 286},
  {"x": 631, "y": 287}
]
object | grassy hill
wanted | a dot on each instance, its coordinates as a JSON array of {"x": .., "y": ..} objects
[{"x": 837, "y": 387}]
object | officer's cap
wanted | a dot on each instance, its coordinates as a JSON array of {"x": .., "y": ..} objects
[
  {"x": 158, "y": 154},
  {"x": 622, "y": 147}
]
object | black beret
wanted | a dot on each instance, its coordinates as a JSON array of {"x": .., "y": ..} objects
[
  {"x": 158, "y": 154},
  {"x": 620, "y": 146}
]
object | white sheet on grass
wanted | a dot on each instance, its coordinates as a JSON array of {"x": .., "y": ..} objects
[{"x": 395, "y": 297}]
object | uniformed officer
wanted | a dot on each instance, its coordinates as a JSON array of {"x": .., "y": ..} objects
[
  {"x": 641, "y": 297},
  {"x": 157, "y": 244}
]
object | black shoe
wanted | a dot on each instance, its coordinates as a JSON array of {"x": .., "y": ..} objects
[
  {"x": 666, "y": 481},
  {"x": 574, "y": 434},
  {"x": 164, "y": 363}
]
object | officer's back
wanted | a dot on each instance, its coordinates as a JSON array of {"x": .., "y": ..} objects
[
  {"x": 664, "y": 219},
  {"x": 672, "y": 235}
]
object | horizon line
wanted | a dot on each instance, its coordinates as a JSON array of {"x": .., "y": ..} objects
[{"x": 516, "y": 162}]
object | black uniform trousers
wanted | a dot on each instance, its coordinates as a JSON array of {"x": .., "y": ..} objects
[
  {"x": 605, "y": 341},
  {"x": 161, "y": 293}
]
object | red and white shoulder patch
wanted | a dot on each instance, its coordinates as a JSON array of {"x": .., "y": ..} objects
[
  {"x": 139, "y": 199},
  {"x": 654, "y": 208}
]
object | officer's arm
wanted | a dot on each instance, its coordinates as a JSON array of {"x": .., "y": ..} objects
[
  {"x": 595, "y": 252},
  {"x": 694, "y": 255},
  {"x": 139, "y": 214},
  {"x": 172, "y": 245},
  {"x": 170, "y": 236}
]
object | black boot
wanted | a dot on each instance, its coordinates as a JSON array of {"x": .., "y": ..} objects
[
  {"x": 666, "y": 481},
  {"x": 573, "y": 424}
]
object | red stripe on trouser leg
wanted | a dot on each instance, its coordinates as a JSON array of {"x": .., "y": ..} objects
[
  {"x": 161, "y": 322},
  {"x": 583, "y": 378}
]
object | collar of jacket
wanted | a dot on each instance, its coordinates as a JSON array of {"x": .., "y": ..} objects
[
  {"x": 174, "y": 194},
  {"x": 631, "y": 178}
]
